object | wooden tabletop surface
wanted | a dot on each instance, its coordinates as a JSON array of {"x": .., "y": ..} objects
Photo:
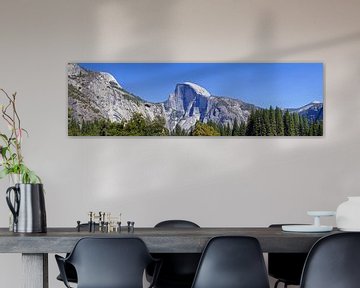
[{"x": 158, "y": 240}]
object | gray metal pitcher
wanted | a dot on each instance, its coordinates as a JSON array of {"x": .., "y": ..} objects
[{"x": 28, "y": 208}]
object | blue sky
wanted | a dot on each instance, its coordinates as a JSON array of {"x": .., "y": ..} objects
[{"x": 287, "y": 85}]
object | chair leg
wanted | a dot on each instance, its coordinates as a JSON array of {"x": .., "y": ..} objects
[{"x": 278, "y": 282}]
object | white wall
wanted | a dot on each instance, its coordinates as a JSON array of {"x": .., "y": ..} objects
[{"x": 215, "y": 182}]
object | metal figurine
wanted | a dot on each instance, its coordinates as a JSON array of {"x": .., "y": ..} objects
[
  {"x": 78, "y": 226},
  {"x": 106, "y": 222},
  {"x": 94, "y": 227},
  {"x": 130, "y": 226},
  {"x": 100, "y": 221},
  {"x": 90, "y": 221}
]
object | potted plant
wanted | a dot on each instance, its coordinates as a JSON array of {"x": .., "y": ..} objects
[
  {"x": 26, "y": 197},
  {"x": 12, "y": 161}
]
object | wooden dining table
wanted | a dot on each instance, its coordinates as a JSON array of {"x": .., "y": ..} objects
[{"x": 35, "y": 247}]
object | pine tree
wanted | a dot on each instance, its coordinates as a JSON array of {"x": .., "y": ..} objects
[
  {"x": 306, "y": 127},
  {"x": 222, "y": 130},
  {"x": 296, "y": 119},
  {"x": 236, "y": 128},
  {"x": 320, "y": 129},
  {"x": 242, "y": 129},
  {"x": 289, "y": 127},
  {"x": 177, "y": 131},
  {"x": 103, "y": 127},
  {"x": 279, "y": 122},
  {"x": 250, "y": 127},
  {"x": 301, "y": 126},
  {"x": 311, "y": 130},
  {"x": 258, "y": 123},
  {"x": 228, "y": 131},
  {"x": 272, "y": 120},
  {"x": 265, "y": 129},
  {"x": 317, "y": 128}
]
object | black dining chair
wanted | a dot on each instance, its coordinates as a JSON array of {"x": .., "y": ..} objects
[
  {"x": 232, "y": 262},
  {"x": 333, "y": 262},
  {"x": 286, "y": 267},
  {"x": 178, "y": 269},
  {"x": 108, "y": 263},
  {"x": 70, "y": 271}
]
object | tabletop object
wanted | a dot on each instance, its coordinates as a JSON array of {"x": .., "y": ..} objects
[{"x": 316, "y": 227}]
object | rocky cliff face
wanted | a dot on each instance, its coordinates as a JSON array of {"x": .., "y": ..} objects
[
  {"x": 190, "y": 103},
  {"x": 97, "y": 95},
  {"x": 312, "y": 111}
]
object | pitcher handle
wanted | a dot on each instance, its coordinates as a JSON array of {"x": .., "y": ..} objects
[{"x": 13, "y": 208}]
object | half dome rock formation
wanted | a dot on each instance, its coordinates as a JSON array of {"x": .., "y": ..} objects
[{"x": 191, "y": 102}]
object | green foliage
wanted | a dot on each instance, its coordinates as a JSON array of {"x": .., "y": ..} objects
[
  {"x": 136, "y": 126},
  {"x": 316, "y": 129},
  {"x": 296, "y": 120},
  {"x": 270, "y": 122},
  {"x": 261, "y": 122},
  {"x": 242, "y": 130},
  {"x": 178, "y": 131},
  {"x": 289, "y": 125},
  {"x": 203, "y": 129},
  {"x": 280, "y": 131},
  {"x": 139, "y": 126},
  {"x": 236, "y": 129}
]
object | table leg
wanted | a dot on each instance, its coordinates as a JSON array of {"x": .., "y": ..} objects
[{"x": 35, "y": 270}]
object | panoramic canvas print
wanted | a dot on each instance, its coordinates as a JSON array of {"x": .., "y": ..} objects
[{"x": 195, "y": 99}]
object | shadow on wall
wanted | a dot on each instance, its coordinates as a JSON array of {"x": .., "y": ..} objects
[
  {"x": 224, "y": 164},
  {"x": 145, "y": 31}
]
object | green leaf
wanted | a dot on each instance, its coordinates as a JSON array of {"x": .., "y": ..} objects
[
  {"x": 33, "y": 178},
  {"x": 15, "y": 169},
  {"x": 4, "y": 137},
  {"x": 13, "y": 156},
  {"x": 3, "y": 151},
  {"x": 27, "y": 175},
  {"x": 27, "y": 133},
  {"x": 4, "y": 173}
]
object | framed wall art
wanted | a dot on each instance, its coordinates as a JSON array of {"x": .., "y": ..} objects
[{"x": 195, "y": 99}]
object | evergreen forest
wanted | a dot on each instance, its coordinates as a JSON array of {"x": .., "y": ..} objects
[{"x": 261, "y": 122}]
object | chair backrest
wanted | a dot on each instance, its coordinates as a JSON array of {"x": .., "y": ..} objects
[
  {"x": 176, "y": 224},
  {"x": 178, "y": 269},
  {"x": 110, "y": 262},
  {"x": 232, "y": 262},
  {"x": 333, "y": 262}
]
